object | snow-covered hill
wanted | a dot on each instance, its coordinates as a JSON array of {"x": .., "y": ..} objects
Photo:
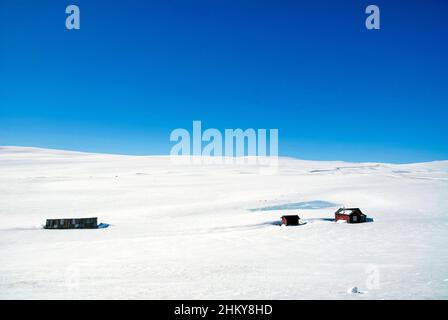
[{"x": 190, "y": 231}]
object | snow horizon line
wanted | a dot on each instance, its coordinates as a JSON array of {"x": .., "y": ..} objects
[{"x": 2, "y": 147}]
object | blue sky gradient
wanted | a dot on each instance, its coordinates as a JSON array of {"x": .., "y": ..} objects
[{"x": 136, "y": 70}]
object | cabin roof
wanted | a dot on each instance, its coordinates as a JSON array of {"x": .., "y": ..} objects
[{"x": 349, "y": 211}]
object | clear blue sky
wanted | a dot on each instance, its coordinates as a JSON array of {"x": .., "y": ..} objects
[{"x": 138, "y": 69}]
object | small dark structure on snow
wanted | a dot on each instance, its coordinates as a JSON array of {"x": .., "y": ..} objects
[
  {"x": 351, "y": 215},
  {"x": 72, "y": 223},
  {"x": 292, "y": 220}
]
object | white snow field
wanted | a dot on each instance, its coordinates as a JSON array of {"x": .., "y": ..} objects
[{"x": 185, "y": 231}]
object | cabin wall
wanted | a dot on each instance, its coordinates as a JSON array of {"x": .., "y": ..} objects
[
  {"x": 290, "y": 221},
  {"x": 342, "y": 217},
  {"x": 358, "y": 218},
  {"x": 76, "y": 223}
]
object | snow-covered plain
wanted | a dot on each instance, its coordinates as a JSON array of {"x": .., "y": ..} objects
[{"x": 185, "y": 231}]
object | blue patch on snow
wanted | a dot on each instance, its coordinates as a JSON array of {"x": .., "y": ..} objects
[
  {"x": 103, "y": 225},
  {"x": 315, "y": 204}
]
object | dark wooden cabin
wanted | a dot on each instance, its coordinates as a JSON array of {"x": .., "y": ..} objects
[
  {"x": 292, "y": 220},
  {"x": 351, "y": 215},
  {"x": 72, "y": 223}
]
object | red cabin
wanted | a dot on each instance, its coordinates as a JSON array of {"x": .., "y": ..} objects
[{"x": 351, "y": 215}]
